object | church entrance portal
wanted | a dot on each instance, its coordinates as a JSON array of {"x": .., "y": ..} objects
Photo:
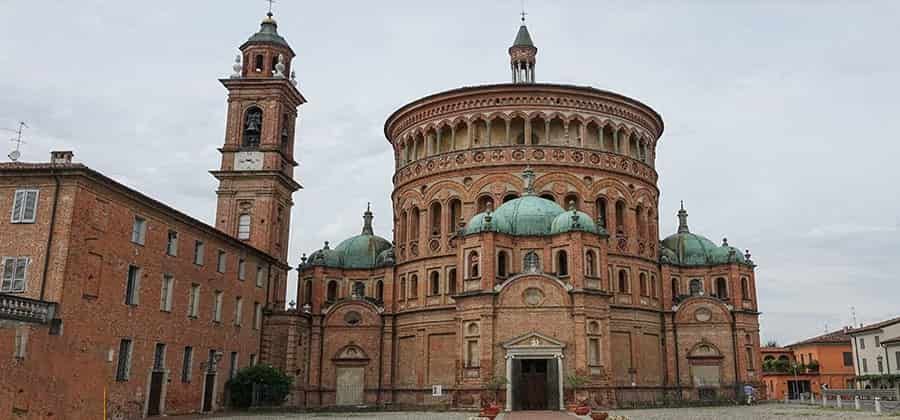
[
  {"x": 535, "y": 384},
  {"x": 534, "y": 364}
]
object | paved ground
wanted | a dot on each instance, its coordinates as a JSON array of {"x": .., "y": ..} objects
[{"x": 760, "y": 412}]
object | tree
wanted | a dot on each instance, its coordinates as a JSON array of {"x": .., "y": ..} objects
[
  {"x": 272, "y": 386},
  {"x": 771, "y": 343}
]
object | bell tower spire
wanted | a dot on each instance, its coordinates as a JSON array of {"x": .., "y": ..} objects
[
  {"x": 256, "y": 176},
  {"x": 522, "y": 55}
]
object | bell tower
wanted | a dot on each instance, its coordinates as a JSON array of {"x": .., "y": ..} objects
[{"x": 256, "y": 177}]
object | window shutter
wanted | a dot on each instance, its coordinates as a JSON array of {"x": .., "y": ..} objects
[
  {"x": 8, "y": 270},
  {"x": 18, "y": 284},
  {"x": 28, "y": 213}
]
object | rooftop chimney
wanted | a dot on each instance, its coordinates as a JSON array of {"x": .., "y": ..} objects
[{"x": 61, "y": 157}]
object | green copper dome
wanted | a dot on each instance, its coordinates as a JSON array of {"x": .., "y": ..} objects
[
  {"x": 268, "y": 34},
  {"x": 574, "y": 220},
  {"x": 523, "y": 38},
  {"x": 690, "y": 249},
  {"x": 362, "y": 251},
  {"x": 528, "y": 215}
]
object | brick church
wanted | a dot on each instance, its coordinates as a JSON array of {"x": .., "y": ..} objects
[{"x": 526, "y": 261}]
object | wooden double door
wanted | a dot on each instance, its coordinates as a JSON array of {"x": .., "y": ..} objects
[{"x": 535, "y": 384}]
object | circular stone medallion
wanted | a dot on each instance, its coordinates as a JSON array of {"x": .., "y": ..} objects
[
  {"x": 702, "y": 315},
  {"x": 533, "y": 296}
]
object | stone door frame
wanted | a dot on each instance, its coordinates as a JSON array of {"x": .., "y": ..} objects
[{"x": 534, "y": 345}]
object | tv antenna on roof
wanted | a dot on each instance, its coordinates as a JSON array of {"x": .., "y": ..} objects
[{"x": 16, "y": 154}]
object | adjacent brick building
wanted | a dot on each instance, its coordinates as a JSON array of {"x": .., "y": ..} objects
[
  {"x": 114, "y": 302},
  {"x": 525, "y": 250}
]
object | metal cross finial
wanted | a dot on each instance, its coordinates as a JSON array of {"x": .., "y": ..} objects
[
  {"x": 523, "y": 12},
  {"x": 270, "y": 6}
]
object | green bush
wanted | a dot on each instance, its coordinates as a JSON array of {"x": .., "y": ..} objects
[{"x": 272, "y": 386}]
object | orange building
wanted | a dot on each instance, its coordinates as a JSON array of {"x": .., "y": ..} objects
[{"x": 808, "y": 366}]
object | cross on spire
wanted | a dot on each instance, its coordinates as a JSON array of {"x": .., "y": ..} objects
[
  {"x": 270, "y": 6},
  {"x": 523, "y": 12}
]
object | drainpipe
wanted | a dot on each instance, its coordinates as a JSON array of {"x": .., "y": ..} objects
[
  {"x": 380, "y": 361},
  {"x": 677, "y": 356},
  {"x": 50, "y": 235},
  {"x": 856, "y": 347}
]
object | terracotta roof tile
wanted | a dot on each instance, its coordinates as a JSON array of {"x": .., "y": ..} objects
[
  {"x": 875, "y": 326},
  {"x": 834, "y": 337}
]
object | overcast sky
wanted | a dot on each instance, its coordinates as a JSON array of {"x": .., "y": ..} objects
[{"x": 780, "y": 116}]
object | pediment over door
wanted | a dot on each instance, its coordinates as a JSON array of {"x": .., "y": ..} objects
[{"x": 534, "y": 341}]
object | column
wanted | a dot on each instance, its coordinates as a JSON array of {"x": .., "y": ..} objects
[
  {"x": 559, "y": 371},
  {"x": 528, "y": 131},
  {"x": 488, "y": 125},
  {"x": 453, "y": 137},
  {"x": 508, "y": 123},
  {"x": 600, "y": 136},
  {"x": 468, "y": 136},
  {"x": 581, "y": 131},
  {"x": 547, "y": 131},
  {"x": 509, "y": 362},
  {"x": 566, "y": 135},
  {"x": 616, "y": 140}
]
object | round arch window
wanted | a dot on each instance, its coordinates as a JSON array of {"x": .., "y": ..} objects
[{"x": 352, "y": 318}]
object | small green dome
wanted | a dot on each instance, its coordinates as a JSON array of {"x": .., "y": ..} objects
[
  {"x": 362, "y": 251},
  {"x": 477, "y": 224},
  {"x": 574, "y": 220},
  {"x": 690, "y": 249},
  {"x": 268, "y": 34},
  {"x": 528, "y": 215}
]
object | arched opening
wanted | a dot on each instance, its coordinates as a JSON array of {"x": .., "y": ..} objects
[
  {"x": 473, "y": 265},
  {"x": 451, "y": 281},
  {"x": 460, "y": 136},
  {"x": 676, "y": 291},
  {"x": 608, "y": 139},
  {"x": 331, "y": 293},
  {"x": 620, "y": 217},
  {"x": 639, "y": 218},
  {"x": 414, "y": 286},
  {"x": 592, "y": 135},
  {"x": 557, "y": 131},
  {"x": 436, "y": 219},
  {"x": 252, "y": 128},
  {"x": 642, "y": 279},
  {"x": 531, "y": 263},
  {"x": 623, "y": 281},
  {"x": 721, "y": 288},
  {"x": 479, "y": 133},
  {"x": 696, "y": 287},
  {"x": 258, "y": 63},
  {"x": 502, "y": 264},
  {"x": 359, "y": 289},
  {"x": 590, "y": 264},
  {"x": 573, "y": 135},
  {"x": 485, "y": 202},
  {"x": 539, "y": 130},
  {"x": 402, "y": 289},
  {"x": 445, "y": 136},
  {"x": 379, "y": 291},
  {"x": 402, "y": 229},
  {"x": 745, "y": 288},
  {"x": 510, "y": 197},
  {"x": 286, "y": 133},
  {"x": 435, "y": 283},
  {"x": 572, "y": 200},
  {"x": 496, "y": 133},
  {"x": 274, "y": 63},
  {"x": 455, "y": 214},
  {"x": 633, "y": 146},
  {"x": 600, "y": 205},
  {"x": 562, "y": 263},
  {"x": 414, "y": 224},
  {"x": 517, "y": 130},
  {"x": 548, "y": 196},
  {"x": 307, "y": 293},
  {"x": 654, "y": 287}
]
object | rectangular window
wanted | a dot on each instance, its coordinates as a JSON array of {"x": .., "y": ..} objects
[
  {"x": 232, "y": 367},
  {"x": 221, "y": 257},
  {"x": 242, "y": 269},
  {"x": 254, "y": 359},
  {"x": 877, "y": 341},
  {"x": 194, "y": 301},
  {"x": 186, "y": 364},
  {"x": 260, "y": 276},
  {"x": 473, "y": 359},
  {"x": 165, "y": 294},
  {"x": 138, "y": 230},
  {"x": 172, "y": 243},
  {"x": 211, "y": 361},
  {"x": 238, "y": 310},
  {"x": 862, "y": 343},
  {"x": 848, "y": 358},
  {"x": 865, "y": 365},
  {"x": 594, "y": 351},
  {"x": 24, "y": 206},
  {"x": 159, "y": 357},
  {"x": 750, "y": 358},
  {"x": 198, "y": 252},
  {"x": 133, "y": 285},
  {"x": 123, "y": 367},
  {"x": 14, "y": 274},
  {"x": 217, "y": 307},
  {"x": 244, "y": 227},
  {"x": 257, "y": 315},
  {"x": 21, "y": 343}
]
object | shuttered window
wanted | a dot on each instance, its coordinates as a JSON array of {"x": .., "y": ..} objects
[{"x": 24, "y": 206}]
